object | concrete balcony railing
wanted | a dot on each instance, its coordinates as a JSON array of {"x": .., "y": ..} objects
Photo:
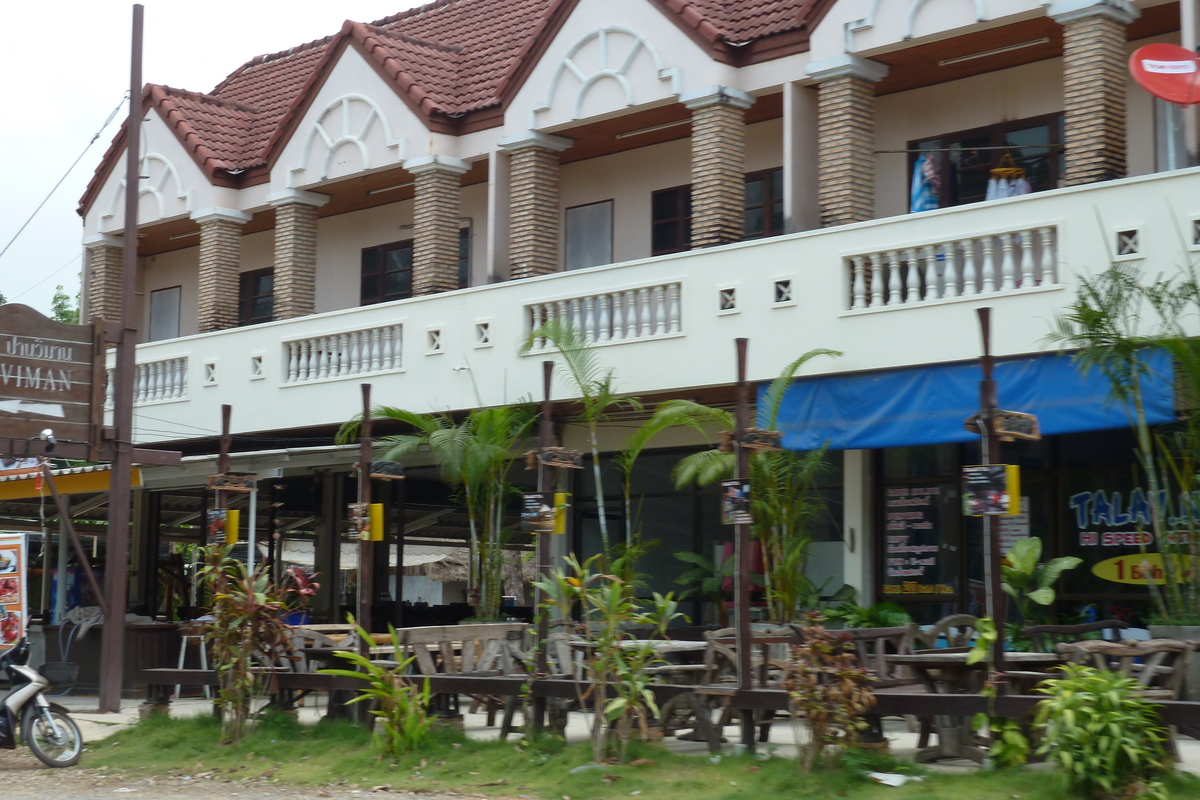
[
  {"x": 1005, "y": 262},
  {"x": 887, "y": 293}
]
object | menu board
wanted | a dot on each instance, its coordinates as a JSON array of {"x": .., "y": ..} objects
[
  {"x": 913, "y": 542},
  {"x": 14, "y": 612}
]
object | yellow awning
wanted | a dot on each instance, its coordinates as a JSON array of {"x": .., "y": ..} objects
[{"x": 81, "y": 480}]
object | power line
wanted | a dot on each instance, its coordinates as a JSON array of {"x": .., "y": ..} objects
[
  {"x": 72, "y": 260},
  {"x": 65, "y": 174}
]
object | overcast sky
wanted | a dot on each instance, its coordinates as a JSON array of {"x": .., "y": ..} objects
[{"x": 66, "y": 68}]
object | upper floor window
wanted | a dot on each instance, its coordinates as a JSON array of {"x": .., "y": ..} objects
[
  {"x": 387, "y": 269},
  {"x": 671, "y": 212},
  {"x": 589, "y": 232},
  {"x": 256, "y": 297},
  {"x": 164, "y": 314},
  {"x": 965, "y": 159}
]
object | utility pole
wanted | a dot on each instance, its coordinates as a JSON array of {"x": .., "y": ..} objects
[{"x": 116, "y": 561}]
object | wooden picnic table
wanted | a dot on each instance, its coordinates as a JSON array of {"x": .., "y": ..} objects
[{"x": 949, "y": 673}]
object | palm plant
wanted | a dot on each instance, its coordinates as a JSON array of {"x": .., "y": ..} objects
[
  {"x": 782, "y": 502},
  {"x": 1109, "y": 330},
  {"x": 597, "y": 396},
  {"x": 474, "y": 455}
]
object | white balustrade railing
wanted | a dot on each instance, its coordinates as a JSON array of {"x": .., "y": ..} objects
[
  {"x": 166, "y": 379},
  {"x": 339, "y": 355},
  {"x": 646, "y": 312},
  {"x": 1002, "y": 262}
]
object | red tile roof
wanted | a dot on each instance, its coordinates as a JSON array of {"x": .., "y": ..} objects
[{"x": 449, "y": 58}]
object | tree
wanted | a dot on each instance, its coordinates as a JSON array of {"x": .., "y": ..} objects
[
  {"x": 62, "y": 308},
  {"x": 782, "y": 501},
  {"x": 474, "y": 456}
]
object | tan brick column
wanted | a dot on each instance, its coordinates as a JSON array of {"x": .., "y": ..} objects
[
  {"x": 220, "y": 257},
  {"x": 535, "y": 230},
  {"x": 295, "y": 272},
  {"x": 718, "y": 164},
  {"x": 846, "y": 137},
  {"x": 435, "y": 222},
  {"x": 1094, "y": 76},
  {"x": 102, "y": 279}
]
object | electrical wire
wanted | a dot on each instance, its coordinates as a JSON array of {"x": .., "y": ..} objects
[
  {"x": 74, "y": 164},
  {"x": 72, "y": 260}
]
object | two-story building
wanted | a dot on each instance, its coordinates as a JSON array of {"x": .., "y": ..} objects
[{"x": 402, "y": 202}]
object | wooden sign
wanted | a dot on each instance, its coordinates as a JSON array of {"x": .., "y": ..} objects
[
  {"x": 1017, "y": 425},
  {"x": 561, "y": 458},
  {"x": 233, "y": 482},
  {"x": 48, "y": 377}
]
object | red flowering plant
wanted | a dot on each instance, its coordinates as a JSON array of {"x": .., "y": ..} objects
[
  {"x": 827, "y": 689},
  {"x": 298, "y": 589}
]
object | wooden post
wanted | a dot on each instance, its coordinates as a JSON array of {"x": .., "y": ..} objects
[
  {"x": 990, "y": 449},
  {"x": 741, "y": 548},
  {"x": 366, "y": 548},
  {"x": 116, "y": 572},
  {"x": 546, "y": 485}
]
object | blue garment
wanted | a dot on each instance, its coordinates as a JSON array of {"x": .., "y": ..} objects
[{"x": 924, "y": 185}]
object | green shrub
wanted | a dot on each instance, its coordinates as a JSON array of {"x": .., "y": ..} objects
[
  {"x": 1103, "y": 734},
  {"x": 400, "y": 704}
]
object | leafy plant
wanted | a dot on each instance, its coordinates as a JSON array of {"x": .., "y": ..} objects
[
  {"x": 1010, "y": 747},
  {"x": 879, "y": 615},
  {"x": 1111, "y": 332},
  {"x": 827, "y": 688},
  {"x": 1027, "y": 581},
  {"x": 299, "y": 587},
  {"x": 400, "y": 706},
  {"x": 617, "y": 679},
  {"x": 707, "y": 579},
  {"x": 474, "y": 455},
  {"x": 783, "y": 502},
  {"x": 597, "y": 397},
  {"x": 247, "y": 634},
  {"x": 1103, "y": 734}
]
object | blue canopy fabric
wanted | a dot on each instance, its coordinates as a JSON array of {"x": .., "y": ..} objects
[{"x": 928, "y": 405}]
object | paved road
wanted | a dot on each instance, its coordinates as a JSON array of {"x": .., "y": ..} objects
[{"x": 23, "y": 777}]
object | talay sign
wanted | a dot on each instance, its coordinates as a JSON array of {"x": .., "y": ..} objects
[{"x": 47, "y": 376}]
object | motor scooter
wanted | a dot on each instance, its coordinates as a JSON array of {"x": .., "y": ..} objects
[{"x": 46, "y": 727}]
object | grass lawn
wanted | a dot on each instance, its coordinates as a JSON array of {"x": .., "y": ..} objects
[{"x": 340, "y": 753}]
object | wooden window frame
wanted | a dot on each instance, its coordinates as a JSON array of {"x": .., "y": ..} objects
[
  {"x": 246, "y": 297},
  {"x": 995, "y": 133},
  {"x": 683, "y": 209}
]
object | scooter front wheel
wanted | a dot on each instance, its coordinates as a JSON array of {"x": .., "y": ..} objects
[{"x": 52, "y": 735}]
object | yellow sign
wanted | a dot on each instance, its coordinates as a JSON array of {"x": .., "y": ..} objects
[
  {"x": 562, "y": 504},
  {"x": 1138, "y": 568}
]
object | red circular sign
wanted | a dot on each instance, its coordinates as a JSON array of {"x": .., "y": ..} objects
[{"x": 1167, "y": 71}]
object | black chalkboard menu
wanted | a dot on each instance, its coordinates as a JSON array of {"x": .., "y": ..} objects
[{"x": 920, "y": 554}]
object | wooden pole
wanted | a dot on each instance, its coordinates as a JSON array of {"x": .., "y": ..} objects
[
  {"x": 546, "y": 485},
  {"x": 741, "y": 548},
  {"x": 366, "y": 548},
  {"x": 116, "y": 572},
  {"x": 990, "y": 448}
]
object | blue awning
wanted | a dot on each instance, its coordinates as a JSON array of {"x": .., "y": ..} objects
[{"x": 928, "y": 405}]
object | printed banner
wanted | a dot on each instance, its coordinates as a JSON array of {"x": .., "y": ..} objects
[
  {"x": 735, "y": 502},
  {"x": 14, "y": 610}
]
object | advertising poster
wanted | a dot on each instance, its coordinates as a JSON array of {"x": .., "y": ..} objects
[
  {"x": 920, "y": 551},
  {"x": 990, "y": 489},
  {"x": 14, "y": 612},
  {"x": 538, "y": 515},
  {"x": 735, "y": 502}
]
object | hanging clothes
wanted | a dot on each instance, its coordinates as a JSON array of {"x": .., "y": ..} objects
[
  {"x": 926, "y": 185},
  {"x": 1019, "y": 186}
]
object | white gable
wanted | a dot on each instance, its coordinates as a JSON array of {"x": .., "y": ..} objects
[
  {"x": 862, "y": 26},
  {"x": 611, "y": 55},
  {"x": 356, "y": 123},
  {"x": 171, "y": 187}
]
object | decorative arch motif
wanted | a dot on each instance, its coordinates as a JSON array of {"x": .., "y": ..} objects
[
  {"x": 161, "y": 176},
  {"x": 910, "y": 20},
  {"x": 616, "y": 57},
  {"x": 334, "y": 128}
]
